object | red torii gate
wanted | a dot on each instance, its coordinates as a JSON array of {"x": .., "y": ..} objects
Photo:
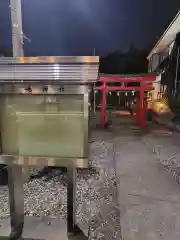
[{"x": 141, "y": 102}]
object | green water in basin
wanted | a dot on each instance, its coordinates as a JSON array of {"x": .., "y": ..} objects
[{"x": 42, "y": 125}]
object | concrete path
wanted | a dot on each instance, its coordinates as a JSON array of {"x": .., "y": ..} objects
[{"x": 149, "y": 198}]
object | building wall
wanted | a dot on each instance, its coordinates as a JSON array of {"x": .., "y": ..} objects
[
  {"x": 170, "y": 47},
  {"x": 157, "y": 87},
  {"x": 154, "y": 61}
]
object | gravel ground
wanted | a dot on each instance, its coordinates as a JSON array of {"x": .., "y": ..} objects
[
  {"x": 166, "y": 148},
  {"x": 148, "y": 197},
  {"x": 164, "y": 143},
  {"x": 96, "y": 192}
]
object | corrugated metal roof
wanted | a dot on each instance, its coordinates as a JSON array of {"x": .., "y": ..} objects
[
  {"x": 79, "y": 69},
  {"x": 168, "y": 36}
]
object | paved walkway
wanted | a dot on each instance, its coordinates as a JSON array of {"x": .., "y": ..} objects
[{"x": 149, "y": 198}]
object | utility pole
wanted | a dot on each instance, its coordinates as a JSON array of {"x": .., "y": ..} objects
[
  {"x": 17, "y": 32},
  {"x": 15, "y": 173}
]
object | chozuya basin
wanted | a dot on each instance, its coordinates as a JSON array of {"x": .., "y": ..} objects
[{"x": 44, "y": 117}]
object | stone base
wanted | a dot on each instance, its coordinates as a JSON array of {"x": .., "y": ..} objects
[{"x": 42, "y": 229}]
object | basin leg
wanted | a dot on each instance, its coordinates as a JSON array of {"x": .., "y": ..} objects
[
  {"x": 71, "y": 201},
  {"x": 16, "y": 200},
  {"x": 72, "y": 229}
]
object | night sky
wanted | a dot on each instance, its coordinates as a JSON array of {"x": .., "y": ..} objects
[{"x": 75, "y": 27}]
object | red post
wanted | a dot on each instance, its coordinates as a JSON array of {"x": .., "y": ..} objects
[
  {"x": 145, "y": 104},
  {"x": 143, "y": 121},
  {"x": 137, "y": 107},
  {"x": 142, "y": 112},
  {"x": 103, "y": 105},
  {"x": 140, "y": 109}
]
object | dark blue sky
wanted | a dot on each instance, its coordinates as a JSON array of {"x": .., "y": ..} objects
[{"x": 75, "y": 27}]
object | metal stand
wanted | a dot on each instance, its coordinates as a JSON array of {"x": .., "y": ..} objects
[
  {"x": 16, "y": 200},
  {"x": 17, "y": 204},
  {"x": 72, "y": 229},
  {"x": 71, "y": 200}
]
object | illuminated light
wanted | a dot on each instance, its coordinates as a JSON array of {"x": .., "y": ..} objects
[
  {"x": 117, "y": 93},
  {"x": 56, "y": 71},
  {"x": 159, "y": 106},
  {"x": 88, "y": 59},
  {"x": 23, "y": 90},
  {"x": 52, "y": 59},
  {"x": 35, "y": 59},
  {"x": 28, "y": 60},
  {"x": 133, "y": 92},
  {"x": 42, "y": 59},
  {"x": 125, "y": 93},
  {"x": 110, "y": 93},
  {"x": 56, "y": 67},
  {"x": 21, "y": 59}
]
